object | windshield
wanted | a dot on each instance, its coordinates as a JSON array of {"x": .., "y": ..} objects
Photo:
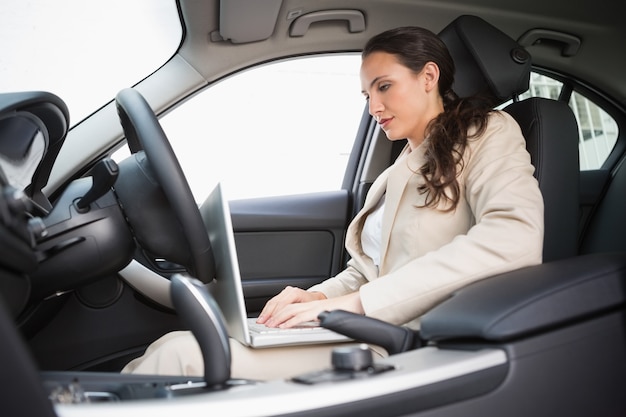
[{"x": 84, "y": 51}]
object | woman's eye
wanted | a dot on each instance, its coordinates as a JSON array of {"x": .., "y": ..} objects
[{"x": 384, "y": 87}]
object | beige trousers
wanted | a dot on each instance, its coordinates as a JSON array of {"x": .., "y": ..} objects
[{"x": 178, "y": 353}]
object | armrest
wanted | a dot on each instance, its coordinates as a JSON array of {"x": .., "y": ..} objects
[
  {"x": 394, "y": 339},
  {"x": 530, "y": 300}
]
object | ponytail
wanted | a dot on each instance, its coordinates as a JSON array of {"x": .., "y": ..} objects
[
  {"x": 447, "y": 140},
  {"x": 447, "y": 133}
]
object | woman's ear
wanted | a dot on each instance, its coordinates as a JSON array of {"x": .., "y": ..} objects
[{"x": 431, "y": 75}]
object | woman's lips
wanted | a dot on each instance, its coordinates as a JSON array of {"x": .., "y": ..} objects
[{"x": 384, "y": 122}]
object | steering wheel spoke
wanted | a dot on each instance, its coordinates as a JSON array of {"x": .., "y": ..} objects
[{"x": 155, "y": 194}]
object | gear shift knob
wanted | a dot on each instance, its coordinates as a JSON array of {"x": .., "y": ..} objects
[{"x": 199, "y": 311}]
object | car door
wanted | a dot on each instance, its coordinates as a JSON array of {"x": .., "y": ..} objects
[
  {"x": 280, "y": 139},
  {"x": 287, "y": 141}
]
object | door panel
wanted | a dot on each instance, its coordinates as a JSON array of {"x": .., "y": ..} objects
[
  {"x": 293, "y": 240},
  {"x": 592, "y": 186}
]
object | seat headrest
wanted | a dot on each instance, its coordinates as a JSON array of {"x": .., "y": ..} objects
[{"x": 487, "y": 60}]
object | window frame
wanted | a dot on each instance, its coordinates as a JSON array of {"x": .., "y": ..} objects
[
  {"x": 349, "y": 169},
  {"x": 610, "y": 106}
]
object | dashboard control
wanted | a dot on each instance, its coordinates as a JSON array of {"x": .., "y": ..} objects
[{"x": 348, "y": 362}]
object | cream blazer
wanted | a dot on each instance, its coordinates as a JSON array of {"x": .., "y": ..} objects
[{"x": 427, "y": 254}]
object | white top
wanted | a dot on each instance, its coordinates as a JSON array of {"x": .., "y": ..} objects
[{"x": 372, "y": 232}]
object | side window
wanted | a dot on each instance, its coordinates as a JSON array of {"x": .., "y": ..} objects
[
  {"x": 597, "y": 131},
  {"x": 278, "y": 129}
]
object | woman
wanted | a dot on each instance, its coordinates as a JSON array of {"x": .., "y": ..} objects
[{"x": 459, "y": 204}]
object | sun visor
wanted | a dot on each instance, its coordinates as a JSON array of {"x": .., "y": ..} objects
[{"x": 244, "y": 21}]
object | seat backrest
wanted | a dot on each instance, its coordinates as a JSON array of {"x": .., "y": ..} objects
[
  {"x": 551, "y": 133},
  {"x": 490, "y": 62},
  {"x": 606, "y": 229}
]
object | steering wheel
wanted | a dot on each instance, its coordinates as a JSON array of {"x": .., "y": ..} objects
[{"x": 154, "y": 192}]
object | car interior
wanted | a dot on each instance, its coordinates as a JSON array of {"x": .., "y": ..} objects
[{"x": 484, "y": 351}]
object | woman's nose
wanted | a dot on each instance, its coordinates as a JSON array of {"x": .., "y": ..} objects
[{"x": 375, "y": 106}]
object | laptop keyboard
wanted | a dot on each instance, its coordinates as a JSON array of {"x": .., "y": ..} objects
[{"x": 303, "y": 327}]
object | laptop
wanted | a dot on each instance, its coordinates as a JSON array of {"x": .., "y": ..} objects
[{"x": 228, "y": 292}]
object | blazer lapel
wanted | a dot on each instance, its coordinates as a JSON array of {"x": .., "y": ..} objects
[{"x": 402, "y": 171}]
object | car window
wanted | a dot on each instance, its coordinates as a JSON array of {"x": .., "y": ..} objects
[
  {"x": 597, "y": 131},
  {"x": 278, "y": 129},
  {"x": 288, "y": 127},
  {"x": 107, "y": 46}
]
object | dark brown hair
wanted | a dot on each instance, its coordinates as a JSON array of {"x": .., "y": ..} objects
[{"x": 447, "y": 134}]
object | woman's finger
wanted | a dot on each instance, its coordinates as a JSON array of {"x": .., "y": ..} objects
[{"x": 287, "y": 296}]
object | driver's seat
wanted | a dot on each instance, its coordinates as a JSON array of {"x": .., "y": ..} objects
[{"x": 489, "y": 61}]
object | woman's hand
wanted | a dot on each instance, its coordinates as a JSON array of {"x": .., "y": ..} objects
[
  {"x": 289, "y": 295},
  {"x": 294, "y": 306}
]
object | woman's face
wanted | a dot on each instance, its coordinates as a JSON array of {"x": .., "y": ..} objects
[{"x": 402, "y": 102}]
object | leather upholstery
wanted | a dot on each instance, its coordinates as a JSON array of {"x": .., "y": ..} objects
[
  {"x": 522, "y": 302},
  {"x": 606, "y": 230},
  {"x": 489, "y": 62},
  {"x": 550, "y": 129}
]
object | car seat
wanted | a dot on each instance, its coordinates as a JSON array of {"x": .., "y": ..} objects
[{"x": 490, "y": 62}]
